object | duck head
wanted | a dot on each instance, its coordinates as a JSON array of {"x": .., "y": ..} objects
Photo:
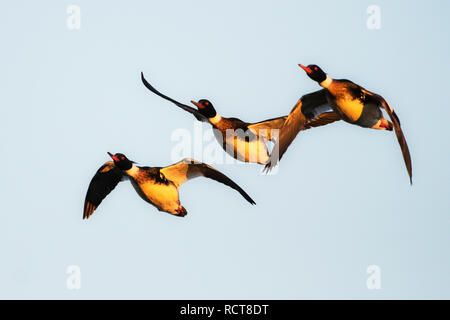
[
  {"x": 314, "y": 72},
  {"x": 121, "y": 161},
  {"x": 205, "y": 107}
]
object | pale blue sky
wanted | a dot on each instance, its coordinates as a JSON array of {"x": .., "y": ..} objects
[{"x": 340, "y": 202}]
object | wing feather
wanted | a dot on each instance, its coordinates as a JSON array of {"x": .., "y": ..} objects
[
  {"x": 398, "y": 130},
  {"x": 297, "y": 121},
  {"x": 188, "y": 169},
  {"x": 191, "y": 110},
  {"x": 264, "y": 128},
  {"x": 103, "y": 182}
]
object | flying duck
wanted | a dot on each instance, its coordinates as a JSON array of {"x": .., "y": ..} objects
[
  {"x": 350, "y": 102},
  {"x": 158, "y": 186},
  {"x": 243, "y": 141}
]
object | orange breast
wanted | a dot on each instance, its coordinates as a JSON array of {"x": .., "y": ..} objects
[
  {"x": 345, "y": 103},
  {"x": 351, "y": 108}
]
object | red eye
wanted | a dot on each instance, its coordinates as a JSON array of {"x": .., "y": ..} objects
[
  {"x": 123, "y": 158},
  {"x": 315, "y": 68}
]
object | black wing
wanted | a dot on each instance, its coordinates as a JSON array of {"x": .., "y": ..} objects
[
  {"x": 314, "y": 104},
  {"x": 191, "y": 110},
  {"x": 309, "y": 106},
  {"x": 187, "y": 169},
  {"x": 398, "y": 130},
  {"x": 104, "y": 181}
]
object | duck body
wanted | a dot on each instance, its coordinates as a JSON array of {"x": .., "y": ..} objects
[
  {"x": 352, "y": 103},
  {"x": 238, "y": 141},
  {"x": 155, "y": 185},
  {"x": 241, "y": 140},
  {"x": 349, "y": 102}
]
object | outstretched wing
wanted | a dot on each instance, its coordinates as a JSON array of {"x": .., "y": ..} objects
[
  {"x": 104, "y": 181},
  {"x": 187, "y": 169},
  {"x": 322, "y": 119},
  {"x": 264, "y": 128},
  {"x": 310, "y": 104},
  {"x": 398, "y": 130},
  {"x": 314, "y": 104},
  {"x": 191, "y": 110}
]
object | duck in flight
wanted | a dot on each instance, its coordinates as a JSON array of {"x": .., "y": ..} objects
[
  {"x": 242, "y": 140},
  {"x": 350, "y": 102},
  {"x": 157, "y": 186}
]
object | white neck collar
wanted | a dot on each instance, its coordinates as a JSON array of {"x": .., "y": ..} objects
[
  {"x": 215, "y": 119},
  {"x": 132, "y": 171},
  {"x": 326, "y": 83}
]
